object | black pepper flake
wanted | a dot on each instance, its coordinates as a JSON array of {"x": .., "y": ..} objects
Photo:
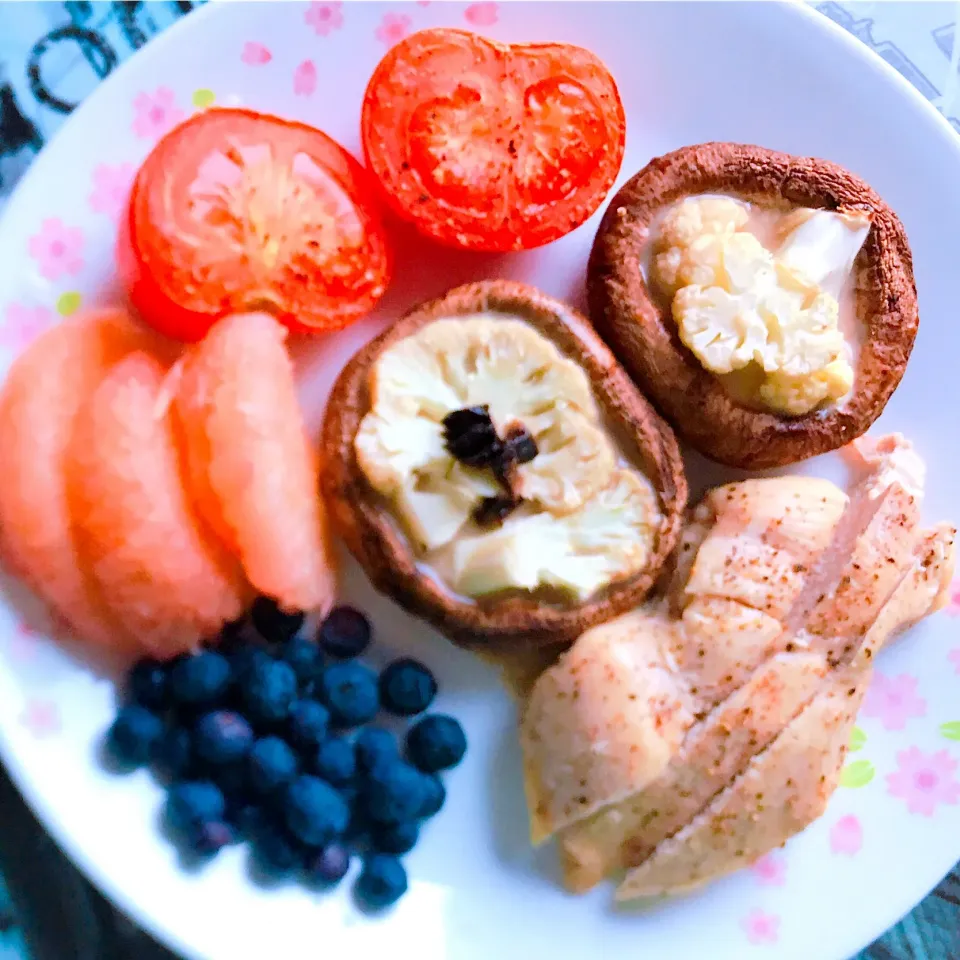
[
  {"x": 520, "y": 441},
  {"x": 470, "y": 436},
  {"x": 492, "y": 511}
]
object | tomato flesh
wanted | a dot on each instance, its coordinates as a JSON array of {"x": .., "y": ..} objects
[
  {"x": 490, "y": 146},
  {"x": 235, "y": 210}
]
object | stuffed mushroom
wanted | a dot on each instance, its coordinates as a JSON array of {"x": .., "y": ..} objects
[
  {"x": 764, "y": 302},
  {"x": 495, "y": 471}
]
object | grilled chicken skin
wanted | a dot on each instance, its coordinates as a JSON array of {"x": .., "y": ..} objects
[{"x": 684, "y": 740}]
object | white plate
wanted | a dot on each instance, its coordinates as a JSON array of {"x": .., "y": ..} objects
[{"x": 769, "y": 74}]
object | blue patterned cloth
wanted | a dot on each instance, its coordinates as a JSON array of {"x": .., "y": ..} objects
[{"x": 51, "y": 56}]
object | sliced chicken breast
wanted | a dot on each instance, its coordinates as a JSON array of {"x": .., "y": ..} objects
[{"x": 685, "y": 740}]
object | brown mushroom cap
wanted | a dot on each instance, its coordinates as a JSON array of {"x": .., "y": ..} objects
[
  {"x": 647, "y": 342},
  {"x": 367, "y": 525}
]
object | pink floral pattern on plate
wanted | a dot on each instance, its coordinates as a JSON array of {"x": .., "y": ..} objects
[
  {"x": 761, "y": 928},
  {"x": 894, "y": 701},
  {"x": 953, "y": 604},
  {"x": 324, "y": 17},
  {"x": 255, "y": 54},
  {"x": 41, "y": 718},
  {"x": 155, "y": 113},
  {"x": 111, "y": 186},
  {"x": 393, "y": 28},
  {"x": 924, "y": 780},
  {"x": 954, "y": 657},
  {"x": 846, "y": 837},
  {"x": 21, "y": 324},
  {"x": 770, "y": 870},
  {"x": 305, "y": 79},
  {"x": 57, "y": 248},
  {"x": 482, "y": 14}
]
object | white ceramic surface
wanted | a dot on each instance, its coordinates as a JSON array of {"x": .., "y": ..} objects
[{"x": 773, "y": 74}]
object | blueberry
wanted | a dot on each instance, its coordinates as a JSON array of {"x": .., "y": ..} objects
[
  {"x": 350, "y": 692},
  {"x": 359, "y": 825},
  {"x": 272, "y": 623},
  {"x": 434, "y": 795},
  {"x": 232, "y": 780},
  {"x": 374, "y": 746},
  {"x": 272, "y": 764},
  {"x": 436, "y": 743},
  {"x": 329, "y": 865},
  {"x": 315, "y": 813},
  {"x": 407, "y": 687},
  {"x": 192, "y": 803},
  {"x": 249, "y": 819},
  {"x": 394, "y": 792},
  {"x": 345, "y": 633},
  {"x": 134, "y": 735},
  {"x": 396, "y": 838},
  {"x": 200, "y": 680},
  {"x": 148, "y": 685},
  {"x": 308, "y": 724},
  {"x": 382, "y": 881},
  {"x": 211, "y": 837},
  {"x": 243, "y": 656},
  {"x": 304, "y": 656},
  {"x": 173, "y": 754},
  {"x": 223, "y": 737},
  {"x": 349, "y": 792},
  {"x": 230, "y": 635},
  {"x": 336, "y": 761},
  {"x": 269, "y": 689},
  {"x": 275, "y": 849}
]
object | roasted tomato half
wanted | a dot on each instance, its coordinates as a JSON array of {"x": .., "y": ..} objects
[
  {"x": 491, "y": 146},
  {"x": 236, "y": 210}
]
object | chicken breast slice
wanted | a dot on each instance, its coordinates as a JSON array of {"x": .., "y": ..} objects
[
  {"x": 766, "y": 536},
  {"x": 876, "y": 563},
  {"x": 733, "y": 646},
  {"x": 602, "y": 723},
  {"x": 784, "y": 788},
  {"x": 718, "y": 643},
  {"x": 787, "y": 786},
  {"x": 624, "y": 834},
  {"x": 922, "y": 590}
]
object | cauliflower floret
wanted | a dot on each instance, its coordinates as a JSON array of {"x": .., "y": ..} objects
[
  {"x": 695, "y": 216},
  {"x": 391, "y": 447},
  {"x": 773, "y": 329},
  {"x": 724, "y": 331},
  {"x": 746, "y": 266},
  {"x": 506, "y": 365},
  {"x": 498, "y": 362},
  {"x": 575, "y": 459},
  {"x": 804, "y": 338},
  {"x": 688, "y": 246},
  {"x": 796, "y": 395},
  {"x": 610, "y": 538},
  {"x": 822, "y": 245},
  {"x": 737, "y": 306}
]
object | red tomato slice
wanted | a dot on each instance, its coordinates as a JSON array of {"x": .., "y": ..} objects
[
  {"x": 492, "y": 146},
  {"x": 235, "y": 210}
]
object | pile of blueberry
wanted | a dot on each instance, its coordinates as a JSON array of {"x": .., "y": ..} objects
[{"x": 257, "y": 739}]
